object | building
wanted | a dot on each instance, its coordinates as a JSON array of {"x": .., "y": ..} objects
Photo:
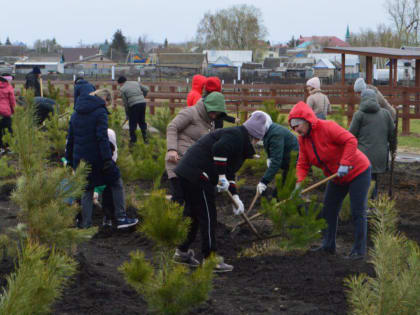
[
  {"x": 324, "y": 69},
  {"x": 352, "y": 61},
  {"x": 234, "y": 58},
  {"x": 51, "y": 64},
  {"x": 318, "y": 42},
  {"x": 78, "y": 54},
  {"x": 93, "y": 65},
  {"x": 195, "y": 61}
]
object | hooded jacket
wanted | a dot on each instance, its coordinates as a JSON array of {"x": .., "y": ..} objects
[
  {"x": 319, "y": 103},
  {"x": 373, "y": 127},
  {"x": 32, "y": 82},
  {"x": 327, "y": 146},
  {"x": 87, "y": 140},
  {"x": 220, "y": 152},
  {"x": 382, "y": 101},
  {"x": 82, "y": 87},
  {"x": 197, "y": 86},
  {"x": 7, "y": 99},
  {"x": 184, "y": 130}
]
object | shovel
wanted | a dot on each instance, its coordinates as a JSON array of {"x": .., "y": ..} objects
[
  {"x": 302, "y": 192},
  {"x": 244, "y": 216}
]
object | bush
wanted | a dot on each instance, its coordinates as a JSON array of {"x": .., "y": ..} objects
[
  {"x": 395, "y": 288},
  {"x": 38, "y": 281},
  {"x": 56, "y": 133},
  {"x": 169, "y": 288},
  {"x": 6, "y": 170},
  {"x": 161, "y": 119}
]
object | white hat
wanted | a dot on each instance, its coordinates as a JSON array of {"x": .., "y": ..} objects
[{"x": 314, "y": 83}]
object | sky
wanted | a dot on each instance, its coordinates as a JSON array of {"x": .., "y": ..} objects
[{"x": 93, "y": 21}]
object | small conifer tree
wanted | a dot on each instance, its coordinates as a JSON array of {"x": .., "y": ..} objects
[
  {"x": 395, "y": 288},
  {"x": 171, "y": 288},
  {"x": 161, "y": 119}
]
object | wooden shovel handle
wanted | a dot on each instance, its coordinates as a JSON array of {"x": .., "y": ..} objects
[
  {"x": 253, "y": 202},
  {"x": 41, "y": 87}
]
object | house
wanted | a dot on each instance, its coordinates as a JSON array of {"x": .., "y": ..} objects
[
  {"x": 324, "y": 68},
  {"x": 317, "y": 42},
  {"x": 49, "y": 64},
  {"x": 236, "y": 57},
  {"x": 271, "y": 63},
  {"x": 352, "y": 61},
  {"x": 196, "y": 61},
  {"x": 300, "y": 68},
  {"x": 77, "y": 54},
  {"x": 96, "y": 64},
  {"x": 252, "y": 66}
]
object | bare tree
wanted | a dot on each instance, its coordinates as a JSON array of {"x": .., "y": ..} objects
[
  {"x": 238, "y": 27},
  {"x": 405, "y": 15}
]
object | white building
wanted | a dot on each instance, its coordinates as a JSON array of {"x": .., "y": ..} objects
[
  {"x": 45, "y": 64},
  {"x": 233, "y": 58}
]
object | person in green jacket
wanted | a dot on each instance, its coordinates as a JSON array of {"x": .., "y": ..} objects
[
  {"x": 279, "y": 142},
  {"x": 373, "y": 127}
]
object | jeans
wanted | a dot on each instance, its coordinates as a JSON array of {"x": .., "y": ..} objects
[
  {"x": 358, "y": 189},
  {"x": 374, "y": 194},
  {"x": 137, "y": 116},
  {"x": 5, "y": 123},
  {"x": 118, "y": 201}
]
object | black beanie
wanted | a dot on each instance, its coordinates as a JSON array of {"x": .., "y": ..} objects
[
  {"x": 122, "y": 79},
  {"x": 36, "y": 70}
]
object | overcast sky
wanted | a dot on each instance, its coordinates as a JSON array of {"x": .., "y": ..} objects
[{"x": 93, "y": 21}]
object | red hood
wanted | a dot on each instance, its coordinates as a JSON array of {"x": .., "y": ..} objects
[
  {"x": 3, "y": 85},
  {"x": 213, "y": 84},
  {"x": 303, "y": 111},
  {"x": 198, "y": 82}
]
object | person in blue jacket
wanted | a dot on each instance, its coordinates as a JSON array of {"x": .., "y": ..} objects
[
  {"x": 81, "y": 86},
  {"x": 87, "y": 140}
]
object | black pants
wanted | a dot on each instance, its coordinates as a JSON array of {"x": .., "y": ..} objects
[
  {"x": 200, "y": 206},
  {"x": 137, "y": 116},
  {"x": 176, "y": 191},
  {"x": 5, "y": 123},
  {"x": 108, "y": 203}
]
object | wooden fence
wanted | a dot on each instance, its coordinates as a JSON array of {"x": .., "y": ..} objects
[{"x": 246, "y": 98}]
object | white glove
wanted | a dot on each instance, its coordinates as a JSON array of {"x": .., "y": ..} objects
[
  {"x": 261, "y": 187},
  {"x": 268, "y": 162},
  {"x": 343, "y": 170},
  {"x": 240, "y": 209},
  {"x": 223, "y": 184}
]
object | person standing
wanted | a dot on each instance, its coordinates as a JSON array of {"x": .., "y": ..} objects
[
  {"x": 189, "y": 125},
  {"x": 32, "y": 80},
  {"x": 317, "y": 100},
  {"x": 197, "y": 85},
  {"x": 87, "y": 140},
  {"x": 373, "y": 128},
  {"x": 328, "y": 146},
  {"x": 133, "y": 95},
  {"x": 7, "y": 108}
]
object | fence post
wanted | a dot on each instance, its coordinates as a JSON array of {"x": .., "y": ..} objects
[
  {"x": 172, "y": 100},
  {"x": 114, "y": 94},
  {"x": 152, "y": 100},
  {"x": 406, "y": 114}
]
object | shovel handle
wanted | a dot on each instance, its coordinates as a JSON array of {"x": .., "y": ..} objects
[{"x": 253, "y": 202}]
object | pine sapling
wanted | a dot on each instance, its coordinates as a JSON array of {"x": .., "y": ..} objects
[{"x": 161, "y": 119}]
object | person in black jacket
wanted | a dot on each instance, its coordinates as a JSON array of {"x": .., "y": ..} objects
[
  {"x": 213, "y": 160},
  {"x": 88, "y": 140},
  {"x": 32, "y": 80}
]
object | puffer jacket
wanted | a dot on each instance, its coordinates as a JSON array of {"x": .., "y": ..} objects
[
  {"x": 319, "y": 103},
  {"x": 373, "y": 127},
  {"x": 133, "y": 93},
  {"x": 82, "y": 87},
  {"x": 87, "y": 140},
  {"x": 197, "y": 86},
  {"x": 7, "y": 99},
  {"x": 327, "y": 146},
  {"x": 185, "y": 129}
]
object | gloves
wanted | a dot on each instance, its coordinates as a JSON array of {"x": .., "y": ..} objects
[
  {"x": 108, "y": 164},
  {"x": 223, "y": 184},
  {"x": 172, "y": 156},
  {"x": 268, "y": 162},
  {"x": 261, "y": 187},
  {"x": 343, "y": 170},
  {"x": 240, "y": 209}
]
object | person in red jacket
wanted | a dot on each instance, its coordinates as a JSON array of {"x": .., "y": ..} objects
[
  {"x": 198, "y": 83},
  {"x": 7, "y": 107},
  {"x": 333, "y": 149}
]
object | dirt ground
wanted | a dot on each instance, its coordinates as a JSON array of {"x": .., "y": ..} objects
[{"x": 292, "y": 283}]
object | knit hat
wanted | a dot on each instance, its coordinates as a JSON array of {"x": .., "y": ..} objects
[
  {"x": 296, "y": 122},
  {"x": 36, "y": 70},
  {"x": 359, "y": 85},
  {"x": 314, "y": 83},
  {"x": 215, "y": 102},
  {"x": 122, "y": 79},
  {"x": 213, "y": 84},
  {"x": 255, "y": 125},
  {"x": 268, "y": 121}
]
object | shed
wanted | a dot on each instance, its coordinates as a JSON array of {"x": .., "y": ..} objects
[{"x": 196, "y": 61}]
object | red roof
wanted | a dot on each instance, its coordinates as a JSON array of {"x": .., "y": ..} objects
[{"x": 331, "y": 40}]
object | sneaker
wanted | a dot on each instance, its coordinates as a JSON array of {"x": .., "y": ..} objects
[
  {"x": 186, "y": 258},
  {"x": 126, "y": 222},
  {"x": 106, "y": 222},
  {"x": 221, "y": 266}
]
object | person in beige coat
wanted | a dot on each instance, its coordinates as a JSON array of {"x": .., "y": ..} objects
[
  {"x": 317, "y": 100},
  {"x": 185, "y": 129}
]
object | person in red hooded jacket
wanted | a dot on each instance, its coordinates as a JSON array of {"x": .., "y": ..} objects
[
  {"x": 327, "y": 145},
  {"x": 194, "y": 95},
  {"x": 213, "y": 84},
  {"x": 7, "y": 107}
]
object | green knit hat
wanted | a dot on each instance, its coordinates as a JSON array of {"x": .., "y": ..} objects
[{"x": 215, "y": 102}]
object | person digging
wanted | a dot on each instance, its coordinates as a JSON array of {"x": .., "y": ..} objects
[{"x": 212, "y": 162}]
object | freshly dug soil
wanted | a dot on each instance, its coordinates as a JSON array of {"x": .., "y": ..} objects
[{"x": 282, "y": 283}]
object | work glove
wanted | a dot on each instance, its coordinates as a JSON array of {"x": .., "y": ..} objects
[
  {"x": 343, "y": 170},
  {"x": 261, "y": 187},
  {"x": 108, "y": 164},
  {"x": 241, "y": 208},
  {"x": 268, "y": 162},
  {"x": 223, "y": 184}
]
